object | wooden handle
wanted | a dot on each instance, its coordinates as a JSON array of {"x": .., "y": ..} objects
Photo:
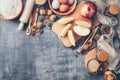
[
  {"x": 94, "y": 32},
  {"x": 79, "y": 50},
  {"x": 21, "y": 25},
  {"x": 36, "y": 17}
]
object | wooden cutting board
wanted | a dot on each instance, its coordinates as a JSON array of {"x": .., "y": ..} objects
[{"x": 58, "y": 28}]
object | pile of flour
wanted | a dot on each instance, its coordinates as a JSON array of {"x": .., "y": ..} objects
[{"x": 9, "y": 8}]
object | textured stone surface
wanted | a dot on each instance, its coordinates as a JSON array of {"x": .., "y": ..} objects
[{"x": 38, "y": 58}]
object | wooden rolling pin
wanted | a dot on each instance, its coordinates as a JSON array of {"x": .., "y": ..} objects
[{"x": 26, "y": 13}]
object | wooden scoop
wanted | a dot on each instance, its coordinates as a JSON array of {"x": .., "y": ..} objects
[
  {"x": 91, "y": 38},
  {"x": 34, "y": 26},
  {"x": 28, "y": 30}
]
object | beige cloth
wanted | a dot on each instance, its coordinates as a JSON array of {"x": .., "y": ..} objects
[{"x": 106, "y": 40}]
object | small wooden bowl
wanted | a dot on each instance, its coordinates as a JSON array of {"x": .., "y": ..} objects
[
  {"x": 15, "y": 16},
  {"x": 72, "y": 8}
]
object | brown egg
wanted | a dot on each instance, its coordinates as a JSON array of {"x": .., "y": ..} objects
[
  {"x": 64, "y": 8},
  {"x": 63, "y": 1}
]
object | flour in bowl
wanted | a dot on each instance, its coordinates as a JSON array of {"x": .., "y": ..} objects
[{"x": 10, "y": 8}]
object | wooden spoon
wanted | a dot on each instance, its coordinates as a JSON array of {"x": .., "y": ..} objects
[
  {"x": 28, "y": 30},
  {"x": 91, "y": 38},
  {"x": 34, "y": 27},
  {"x": 80, "y": 49}
]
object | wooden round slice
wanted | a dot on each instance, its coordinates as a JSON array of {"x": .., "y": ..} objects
[
  {"x": 40, "y": 2},
  {"x": 93, "y": 65},
  {"x": 90, "y": 55},
  {"x": 108, "y": 75},
  {"x": 102, "y": 56},
  {"x": 114, "y": 9}
]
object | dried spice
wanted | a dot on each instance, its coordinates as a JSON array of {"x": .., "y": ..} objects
[
  {"x": 33, "y": 33},
  {"x": 96, "y": 37},
  {"x": 49, "y": 12},
  {"x": 39, "y": 24},
  {"x": 52, "y": 17},
  {"x": 41, "y": 19},
  {"x": 42, "y": 11},
  {"x": 105, "y": 30},
  {"x": 46, "y": 17}
]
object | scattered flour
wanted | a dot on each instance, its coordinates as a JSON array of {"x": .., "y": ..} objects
[{"x": 9, "y": 8}]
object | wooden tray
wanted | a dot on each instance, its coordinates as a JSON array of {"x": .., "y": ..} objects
[{"x": 58, "y": 28}]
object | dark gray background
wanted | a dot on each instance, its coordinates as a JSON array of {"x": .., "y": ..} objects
[{"x": 38, "y": 58}]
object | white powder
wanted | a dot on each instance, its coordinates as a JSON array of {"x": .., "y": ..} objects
[{"x": 9, "y": 8}]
